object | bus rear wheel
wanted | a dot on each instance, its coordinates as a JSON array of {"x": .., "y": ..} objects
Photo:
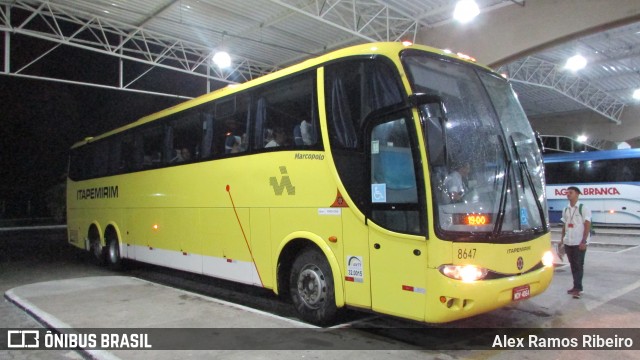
[
  {"x": 97, "y": 251},
  {"x": 312, "y": 289},
  {"x": 114, "y": 261}
]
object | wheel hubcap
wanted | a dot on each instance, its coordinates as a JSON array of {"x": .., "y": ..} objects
[
  {"x": 312, "y": 286},
  {"x": 113, "y": 252},
  {"x": 95, "y": 247}
]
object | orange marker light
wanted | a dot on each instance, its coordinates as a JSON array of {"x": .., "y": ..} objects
[
  {"x": 155, "y": 226},
  {"x": 466, "y": 57},
  {"x": 333, "y": 239}
]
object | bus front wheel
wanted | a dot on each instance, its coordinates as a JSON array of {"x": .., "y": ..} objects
[{"x": 312, "y": 288}]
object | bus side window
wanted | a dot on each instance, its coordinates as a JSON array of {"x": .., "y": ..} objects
[
  {"x": 184, "y": 139},
  {"x": 152, "y": 147},
  {"x": 115, "y": 151},
  {"x": 100, "y": 158},
  {"x": 225, "y": 126},
  {"x": 622, "y": 170},
  {"x": 353, "y": 89},
  {"x": 207, "y": 135},
  {"x": 286, "y": 114},
  {"x": 394, "y": 192}
]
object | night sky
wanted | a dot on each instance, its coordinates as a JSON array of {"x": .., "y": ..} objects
[{"x": 40, "y": 120}]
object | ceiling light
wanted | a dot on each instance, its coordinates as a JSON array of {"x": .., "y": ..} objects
[
  {"x": 222, "y": 59},
  {"x": 582, "y": 138},
  {"x": 466, "y": 10},
  {"x": 576, "y": 63},
  {"x": 636, "y": 94}
]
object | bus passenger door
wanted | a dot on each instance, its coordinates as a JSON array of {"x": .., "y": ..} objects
[
  {"x": 398, "y": 274},
  {"x": 397, "y": 244}
]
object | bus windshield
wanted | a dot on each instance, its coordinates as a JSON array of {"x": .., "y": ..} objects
[{"x": 487, "y": 176}]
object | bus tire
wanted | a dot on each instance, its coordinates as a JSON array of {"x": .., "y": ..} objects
[
  {"x": 312, "y": 289},
  {"x": 114, "y": 260},
  {"x": 96, "y": 250}
]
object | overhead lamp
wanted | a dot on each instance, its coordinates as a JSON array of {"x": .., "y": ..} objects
[
  {"x": 575, "y": 63},
  {"x": 222, "y": 59},
  {"x": 582, "y": 138},
  {"x": 465, "y": 11},
  {"x": 636, "y": 94}
]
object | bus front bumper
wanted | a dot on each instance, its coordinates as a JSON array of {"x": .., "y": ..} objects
[{"x": 457, "y": 299}]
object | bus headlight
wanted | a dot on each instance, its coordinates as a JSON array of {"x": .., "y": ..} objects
[
  {"x": 466, "y": 273},
  {"x": 547, "y": 259}
]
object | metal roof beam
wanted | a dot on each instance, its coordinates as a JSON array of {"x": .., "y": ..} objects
[
  {"x": 537, "y": 72},
  {"x": 371, "y": 21},
  {"x": 64, "y": 25}
]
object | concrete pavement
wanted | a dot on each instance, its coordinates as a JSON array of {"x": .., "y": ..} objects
[{"x": 613, "y": 263}]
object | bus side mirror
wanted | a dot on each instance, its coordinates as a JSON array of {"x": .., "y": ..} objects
[{"x": 433, "y": 117}]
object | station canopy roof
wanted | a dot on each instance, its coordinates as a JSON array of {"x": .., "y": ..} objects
[{"x": 264, "y": 35}]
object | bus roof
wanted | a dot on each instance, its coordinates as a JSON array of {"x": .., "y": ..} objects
[
  {"x": 592, "y": 155},
  {"x": 382, "y": 48}
]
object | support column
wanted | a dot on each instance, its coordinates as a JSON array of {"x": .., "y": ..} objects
[
  {"x": 7, "y": 43},
  {"x": 120, "y": 67},
  {"x": 208, "y": 78}
]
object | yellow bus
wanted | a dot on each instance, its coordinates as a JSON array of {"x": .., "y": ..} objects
[{"x": 385, "y": 177}]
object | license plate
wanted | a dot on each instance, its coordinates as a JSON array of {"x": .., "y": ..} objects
[{"x": 521, "y": 293}]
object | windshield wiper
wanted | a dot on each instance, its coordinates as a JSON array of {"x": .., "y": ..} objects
[
  {"x": 526, "y": 174},
  {"x": 525, "y": 169},
  {"x": 505, "y": 187}
]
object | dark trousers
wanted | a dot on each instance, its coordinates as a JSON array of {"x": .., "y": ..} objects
[{"x": 576, "y": 260}]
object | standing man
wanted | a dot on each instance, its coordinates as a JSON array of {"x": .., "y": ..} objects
[{"x": 575, "y": 237}]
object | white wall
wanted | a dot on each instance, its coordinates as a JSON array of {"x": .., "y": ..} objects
[
  {"x": 512, "y": 31},
  {"x": 593, "y": 125}
]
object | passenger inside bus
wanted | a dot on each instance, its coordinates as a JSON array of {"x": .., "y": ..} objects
[
  {"x": 457, "y": 182},
  {"x": 186, "y": 154},
  {"x": 181, "y": 155},
  {"x": 303, "y": 133},
  {"x": 235, "y": 144},
  {"x": 279, "y": 138}
]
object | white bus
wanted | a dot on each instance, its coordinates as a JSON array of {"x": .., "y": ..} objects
[{"x": 609, "y": 181}]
